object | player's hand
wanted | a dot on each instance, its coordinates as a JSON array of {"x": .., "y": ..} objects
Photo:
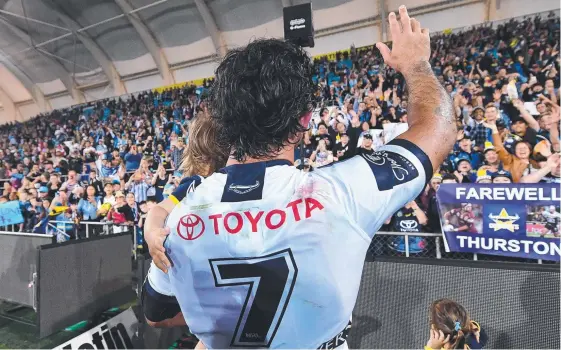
[
  {"x": 155, "y": 240},
  {"x": 410, "y": 43},
  {"x": 437, "y": 339}
]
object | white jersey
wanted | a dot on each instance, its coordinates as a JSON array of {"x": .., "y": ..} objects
[
  {"x": 552, "y": 218},
  {"x": 265, "y": 255}
]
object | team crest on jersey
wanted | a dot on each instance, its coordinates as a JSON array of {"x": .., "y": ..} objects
[
  {"x": 390, "y": 169},
  {"x": 243, "y": 189}
]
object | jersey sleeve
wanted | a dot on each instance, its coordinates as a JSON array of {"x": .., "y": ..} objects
[
  {"x": 158, "y": 301},
  {"x": 186, "y": 185},
  {"x": 372, "y": 187},
  {"x": 159, "y": 280}
]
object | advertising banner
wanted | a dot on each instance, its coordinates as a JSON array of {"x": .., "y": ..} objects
[
  {"x": 518, "y": 220},
  {"x": 115, "y": 333},
  {"x": 10, "y": 213}
]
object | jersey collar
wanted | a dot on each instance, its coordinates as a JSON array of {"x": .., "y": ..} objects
[{"x": 268, "y": 164}]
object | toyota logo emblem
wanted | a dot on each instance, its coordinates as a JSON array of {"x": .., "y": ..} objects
[
  {"x": 190, "y": 227},
  {"x": 408, "y": 224}
]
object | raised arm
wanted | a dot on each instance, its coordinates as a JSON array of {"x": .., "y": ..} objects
[{"x": 431, "y": 111}]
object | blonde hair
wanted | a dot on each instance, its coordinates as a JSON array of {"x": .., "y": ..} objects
[{"x": 204, "y": 154}]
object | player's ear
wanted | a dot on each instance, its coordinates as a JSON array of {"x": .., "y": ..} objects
[{"x": 305, "y": 119}]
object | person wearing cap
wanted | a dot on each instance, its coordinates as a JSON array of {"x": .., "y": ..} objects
[
  {"x": 478, "y": 132},
  {"x": 343, "y": 150},
  {"x": 463, "y": 149},
  {"x": 502, "y": 177},
  {"x": 43, "y": 192},
  {"x": 116, "y": 185},
  {"x": 491, "y": 161},
  {"x": 483, "y": 177},
  {"x": 366, "y": 146},
  {"x": 464, "y": 171}
]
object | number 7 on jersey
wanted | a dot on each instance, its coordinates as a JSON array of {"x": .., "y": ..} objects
[{"x": 271, "y": 279}]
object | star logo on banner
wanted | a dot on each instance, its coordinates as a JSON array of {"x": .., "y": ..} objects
[{"x": 504, "y": 221}]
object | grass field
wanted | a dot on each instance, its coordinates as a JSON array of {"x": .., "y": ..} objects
[{"x": 17, "y": 335}]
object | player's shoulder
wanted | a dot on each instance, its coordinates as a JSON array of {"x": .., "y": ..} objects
[
  {"x": 187, "y": 185},
  {"x": 195, "y": 179},
  {"x": 395, "y": 163}
]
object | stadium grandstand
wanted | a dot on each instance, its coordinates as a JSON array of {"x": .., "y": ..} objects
[{"x": 98, "y": 101}]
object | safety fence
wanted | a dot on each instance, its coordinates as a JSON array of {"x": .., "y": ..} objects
[
  {"x": 384, "y": 244},
  {"x": 427, "y": 245},
  {"x": 67, "y": 230}
]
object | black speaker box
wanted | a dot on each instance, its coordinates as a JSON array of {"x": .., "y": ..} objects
[{"x": 298, "y": 25}]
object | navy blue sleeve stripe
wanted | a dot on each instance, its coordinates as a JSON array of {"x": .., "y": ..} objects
[
  {"x": 158, "y": 307},
  {"x": 422, "y": 156},
  {"x": 186, "y": 185}
]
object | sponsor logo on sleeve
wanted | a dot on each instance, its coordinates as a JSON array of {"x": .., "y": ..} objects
[{"x": 390, "y": 169}]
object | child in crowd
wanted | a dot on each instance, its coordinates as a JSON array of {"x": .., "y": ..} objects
[{"x": 452, "y": 328}]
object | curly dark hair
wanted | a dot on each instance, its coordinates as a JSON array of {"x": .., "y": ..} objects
[{"x": 259, "y": 94}]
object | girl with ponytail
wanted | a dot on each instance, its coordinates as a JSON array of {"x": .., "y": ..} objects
[{"x": 452, "y": 327}]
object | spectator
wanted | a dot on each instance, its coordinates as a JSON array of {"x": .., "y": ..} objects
[
  {"x": 132, "y": 159},
  {"x": 177, "y": 153},
  {"x": 137, "y": 186},
  {"x": 518, "y": 163},
  {"x": 504, "y": 75},
  {"x": 158, "y": 182},
  {"x": 120, "y": 214},
  {"x": 322, "y": 156},
  {"x": 109, "y": 197},
  {"x": 502, "y": 177},
  {"x": 89, "y": 205},
  {"x": 71, "y": 183},
  {"x": 452, "y": 328}
]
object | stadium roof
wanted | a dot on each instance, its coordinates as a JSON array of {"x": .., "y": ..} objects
[{"x": 51, "y": 48}]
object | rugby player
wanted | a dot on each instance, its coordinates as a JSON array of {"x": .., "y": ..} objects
[
  {"x": 552, "y": 218},
  {"x": 203, "y": 156},
  {"x": 266, "y": 255}
]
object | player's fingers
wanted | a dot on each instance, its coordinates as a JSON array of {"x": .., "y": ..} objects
[
  {"x": 441, "y": 337},
  {"x": 405, "y": 20},
  {"x": 425, "y": 31},
  {"x": 160, "y": 265},
  {"x": 415, "y": 26},
  {"x": 395, "y": 28},
  {"x": 163, "y": 259},
  {"x": 385, "y": 51},
  {"x": 447, "y": 339}
]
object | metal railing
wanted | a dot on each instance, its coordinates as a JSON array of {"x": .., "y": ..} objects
[
  {"x": 432, "y": 246},
  {"x": 85, "y": 229},
  {"x": 383, "y": 244}
]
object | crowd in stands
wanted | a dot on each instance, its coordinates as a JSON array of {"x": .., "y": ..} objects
[{"x": 111, "y": 160}]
